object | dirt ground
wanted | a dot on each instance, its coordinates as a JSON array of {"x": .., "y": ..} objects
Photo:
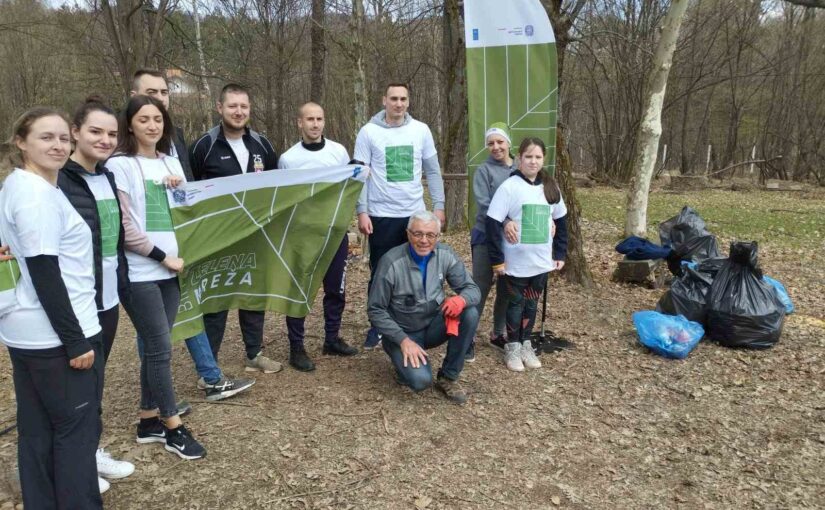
[{"x": 609, "y": 425}]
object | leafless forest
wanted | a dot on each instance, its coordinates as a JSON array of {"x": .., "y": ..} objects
[{"x": 746, "y": 82}]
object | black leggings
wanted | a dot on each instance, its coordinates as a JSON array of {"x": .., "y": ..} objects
[{"x": 522, "y": 297}]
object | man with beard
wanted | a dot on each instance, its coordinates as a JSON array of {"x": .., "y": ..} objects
[{"x": 232, "y": 148}]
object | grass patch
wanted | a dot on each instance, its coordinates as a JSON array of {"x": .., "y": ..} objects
[{"x": 790, "y": 219}]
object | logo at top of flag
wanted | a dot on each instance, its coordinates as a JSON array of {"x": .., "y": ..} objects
[
  {"x": 528, "y": 30},
  {"x": 179, "y": 196},
  {"x": 475, "y": 34}
]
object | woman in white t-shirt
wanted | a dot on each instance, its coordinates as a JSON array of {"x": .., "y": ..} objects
[
  {"x": 532, "y": 200},
  {"x": 91, "y": 190},
  {"x": 51, "y": 330},
  {"x": 143, "y": 171}
]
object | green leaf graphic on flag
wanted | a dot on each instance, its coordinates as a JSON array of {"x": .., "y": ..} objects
[
  {"x": 109, "y": 215},
  {"x": 157, "y": 208},
  {"x": 535, "y": 224},
  {"x": 399, "y": 160},
  {"x": 259, "y": 241},
  {"x": 9, "y": 274}
]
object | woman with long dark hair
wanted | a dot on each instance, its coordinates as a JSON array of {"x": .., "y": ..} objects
[
  {"x": 91, "y": 190},
  {"x": 143, "y": 170},
  {"x": 51, "y": 327},
  {"x": 532, "y": 199}
]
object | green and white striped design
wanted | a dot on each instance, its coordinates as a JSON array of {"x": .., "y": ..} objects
[{"x": 511, "y": 77}]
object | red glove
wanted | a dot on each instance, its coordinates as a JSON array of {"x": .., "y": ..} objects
[
  {"x": 453, "y": 306},
  {"x": 452, "y": 325}
]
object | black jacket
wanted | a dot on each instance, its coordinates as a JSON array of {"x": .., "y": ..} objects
[
  {"x": 71, "y": 182},
  {"x": 183, "y": 153},
  {"x": 212, "y": 156}
]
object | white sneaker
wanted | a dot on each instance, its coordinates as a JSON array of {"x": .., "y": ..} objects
[
  {"x": 111, "y": 468},
  {"x": 102, "y": 484},
  {"x": 528, "y": 355},
  {"x": 512, "y": 356}
]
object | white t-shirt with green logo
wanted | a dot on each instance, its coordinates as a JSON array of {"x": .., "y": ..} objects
[
  {"x": 108, "y": 214},
  {"x": 394, "y": 154},
  {"x": 36, "y": 218},
  {"x": 525, "y": 204},
  {"x": 142, "y": 179}
]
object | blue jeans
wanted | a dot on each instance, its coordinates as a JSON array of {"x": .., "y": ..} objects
[
  {"x": 434, "y": 335},
  {"x": 201, "y": 354}
]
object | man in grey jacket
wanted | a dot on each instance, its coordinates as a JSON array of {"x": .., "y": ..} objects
[{"x": 408, "y": 307}]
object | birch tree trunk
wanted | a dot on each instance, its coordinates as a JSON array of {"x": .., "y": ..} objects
[
  {"x": 204, "y": 95},
  {"x": 650, "y": 129}
]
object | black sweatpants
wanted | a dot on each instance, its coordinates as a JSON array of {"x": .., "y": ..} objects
[
  {"x": 334, "y": 300},
  {"x": 108, "y": 321},
  {"x": 252, "y": 329},
  {"x": 58, "y": 424},
  {"x": 387, "y": 233}
]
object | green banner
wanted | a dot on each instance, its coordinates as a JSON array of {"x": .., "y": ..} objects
[
  {"x": 259, "y": 241},
  {"x": 511, "y": 77}
]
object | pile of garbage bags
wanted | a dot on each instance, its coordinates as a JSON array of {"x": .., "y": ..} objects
[{"x": 729, "y": 299}]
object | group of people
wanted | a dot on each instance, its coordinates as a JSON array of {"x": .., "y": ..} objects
[{"x": 84, "y": 215}]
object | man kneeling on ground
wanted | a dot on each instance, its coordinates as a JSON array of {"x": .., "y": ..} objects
[{"x": 408, "y": 306}]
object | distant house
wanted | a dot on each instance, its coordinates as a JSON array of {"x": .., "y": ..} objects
[{"x": 180, "y": 83}]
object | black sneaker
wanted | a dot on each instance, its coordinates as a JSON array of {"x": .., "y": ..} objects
[
  {"x": 499, "y": 342},
  {"x": 299, "y": 360},
  {"x": 470, "y": 355},
  {"x": 151, "y": 430},
  {"x": 339, "y": 347},
  {"x": 226, "y": 388},
  {"x": 373, "y": 340},
  {"x": 180, "y": 442},
  {"x": 184, "y": 408}
]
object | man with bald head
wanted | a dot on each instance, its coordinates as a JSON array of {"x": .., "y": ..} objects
[{"x": 315, "y": 151}]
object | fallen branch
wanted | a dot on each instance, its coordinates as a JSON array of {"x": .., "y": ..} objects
[
  {"x": 753, "y": 161},
  {"x": 221, "y": 402},
  {"x": 341, "y": 488},
  {"x": 386, "y": 423},
  {"x": 356, "y": 415},
  {"x": 500, "y": 502}
]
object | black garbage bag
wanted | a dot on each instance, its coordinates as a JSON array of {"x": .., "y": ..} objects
[
  {"x": 743, "y": 309},
  {"x": 711, "y": 266},
  {"x": 699, "y": 248},
  {"x": 687, "y": 296},
  {"x": 681, "y": 228}
]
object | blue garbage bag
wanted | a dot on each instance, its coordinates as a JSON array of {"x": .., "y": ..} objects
[
  {"x": 671, "y": 336},
  {"x": 783, "y": 294}
]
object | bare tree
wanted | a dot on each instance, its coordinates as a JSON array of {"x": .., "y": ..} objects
[
  {"x": 562, "y": 16},
  {"x": 134, "y": 30},
  {"x": 453, "y": 140},
  {"x": 319, "y": 50},
  {"x": 647, "y": 143}
]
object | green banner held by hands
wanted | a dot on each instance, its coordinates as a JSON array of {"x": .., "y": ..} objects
[{"x": 259, "y": 241}]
